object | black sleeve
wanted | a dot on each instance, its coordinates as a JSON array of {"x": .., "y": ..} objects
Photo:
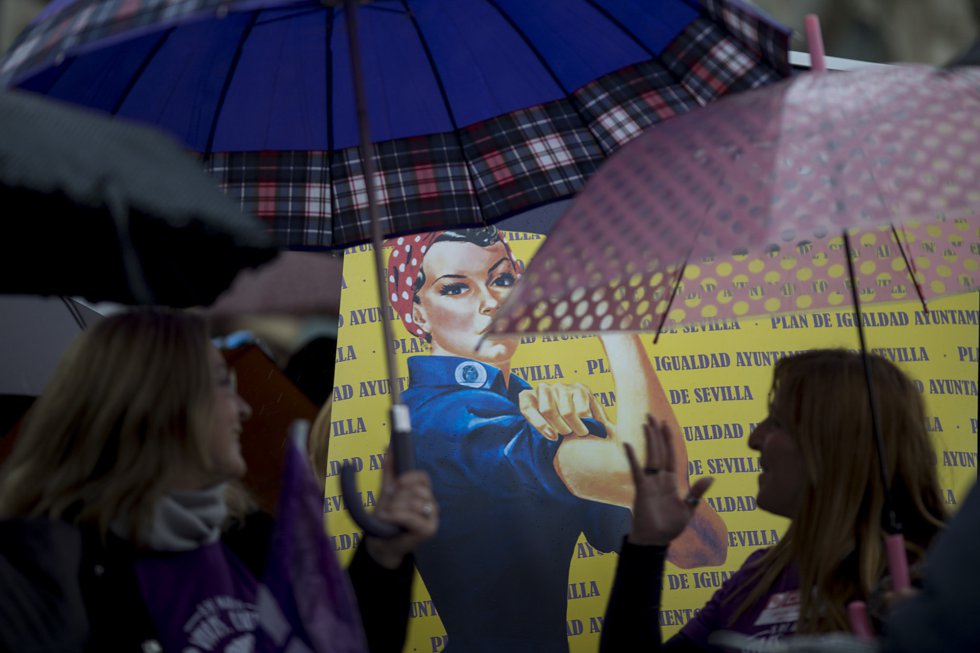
[
  {"x": 632, "y": 621},
  {"x": 41, "y": 605},
  {"x": 383, "y": 597},
  {"x": 250, "y": 539}
]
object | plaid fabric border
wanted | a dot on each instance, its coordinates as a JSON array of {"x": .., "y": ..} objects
[
  {"x": 290, "y": 191},
  {"x": 310, "y": 201},
  {"x": 709, "y": 63},
  {"x": 702, "y": 63},
  {"x": 622, "y": 104},
  {"x": 754, "y": 31},
  {"x": 423, "y": 183},
  {"x": 528, "y": 157}
]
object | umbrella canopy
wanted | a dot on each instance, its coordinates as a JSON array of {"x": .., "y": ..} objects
[
  {"x": 479, "y": 108},
  {"x": 739, "y": 209},
  {"x": 36, "y": 331},
  {"x": 296, "y": 283},
  {"x": 111, "y": 211}
]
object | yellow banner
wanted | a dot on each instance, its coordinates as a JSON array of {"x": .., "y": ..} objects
[{"x": 716, "y": 378}]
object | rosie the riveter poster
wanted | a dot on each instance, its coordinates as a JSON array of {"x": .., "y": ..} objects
[{"x": 521, "y": 563}]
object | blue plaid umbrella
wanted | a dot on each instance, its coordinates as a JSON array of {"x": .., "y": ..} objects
[{"x": 479, "y": 108}]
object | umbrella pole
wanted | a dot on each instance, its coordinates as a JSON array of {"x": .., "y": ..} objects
[
  {"x": 132, "y": 267},
  {"x": 400, "y": 447},
  {"x": 894, "y": 541}
]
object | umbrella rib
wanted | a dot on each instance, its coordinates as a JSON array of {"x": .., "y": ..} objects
[
  {"x": 527, "y": 41},
  {"x": 131, "y": 84},
  {"x": 226, "y": 85},
  {"x": 298, "y": 13},
  {"x": 445, "y": 100},
  {"x": 572, "y": 101},
  {"x": 328, "y": 74},
  {"x": 623, "y": 28},
  {"x": 61, "y": 72},
  {"x": 432, "y": 64},
  {"x": 74, "y": 312},
  {"x": 910, "y": 266},
  {"x": 328, "y": 83},
  {"x": 670, "y": 302}
]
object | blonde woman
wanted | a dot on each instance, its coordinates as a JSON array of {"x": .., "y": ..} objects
[
  {"x": 820, "y": 469},
  {"x": 133, "y": 444}
]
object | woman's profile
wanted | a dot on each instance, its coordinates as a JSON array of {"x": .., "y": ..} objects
[{"x": 820, "y": 469}]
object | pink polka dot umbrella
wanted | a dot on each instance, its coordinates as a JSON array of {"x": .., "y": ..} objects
[
  {"x": 859, "y": 186},
  {"x": 748, "y": 206}
]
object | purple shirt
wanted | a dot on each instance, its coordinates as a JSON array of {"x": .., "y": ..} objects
[
  {"x": 772, "y": 617},
  {"x": 200, "y": 600}
]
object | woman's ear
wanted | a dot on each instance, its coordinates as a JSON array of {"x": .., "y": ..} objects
[{"x": 419, "y": 317}]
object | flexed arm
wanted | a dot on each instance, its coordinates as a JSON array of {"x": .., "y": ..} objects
[{"x": 597, "y": 468}]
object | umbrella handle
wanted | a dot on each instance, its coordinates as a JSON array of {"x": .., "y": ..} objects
[
  {"x": 404, "y": 460},
  {"x": 898, "y": 562},
  {"x": 857, "y": 614},
  {"x": 352, "y": 500}
]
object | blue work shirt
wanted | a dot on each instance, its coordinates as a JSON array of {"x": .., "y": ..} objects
[{"x": 497, "y": 570}]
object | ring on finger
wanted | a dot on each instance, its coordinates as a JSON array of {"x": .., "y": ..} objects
[
  {"x": 426, "y": 508},
  {"x": 651, "y": 471}
]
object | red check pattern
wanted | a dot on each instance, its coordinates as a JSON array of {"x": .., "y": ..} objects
[{"x": 492, "y": 169}]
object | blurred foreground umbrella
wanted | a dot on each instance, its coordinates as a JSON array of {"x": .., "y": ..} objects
[
  {"x": 296, "y": 283},
  {"x": 111, "y": 211},
  {"x": 750, "y": 206},
  {"x": 740, "y": 208}
]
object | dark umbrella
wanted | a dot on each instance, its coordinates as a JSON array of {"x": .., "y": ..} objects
[{"x": 112, "y": 211}]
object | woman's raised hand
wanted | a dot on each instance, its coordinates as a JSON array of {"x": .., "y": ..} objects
[
  {"x": 660, "y": 513},
  {"x": 405, "y": 500}
]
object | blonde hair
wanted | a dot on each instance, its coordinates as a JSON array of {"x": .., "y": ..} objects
[
  {"x": 836, "y": 540},
  {"x": 319, "y": 444},
  {"x": 129, "y": 407},
  {"x": 240, "y": 503}
]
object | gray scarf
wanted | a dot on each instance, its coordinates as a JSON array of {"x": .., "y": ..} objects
[{"x": 183, "y": 521}]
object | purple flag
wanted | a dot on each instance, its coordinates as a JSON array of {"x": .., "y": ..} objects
[{"x": 305, "y": 601}]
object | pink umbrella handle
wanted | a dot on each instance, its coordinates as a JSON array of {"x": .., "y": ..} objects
[
  {"x": 857, "y": 614},
  {"x": 898, "y": 563},
  {"x": 814, "y": 43}
]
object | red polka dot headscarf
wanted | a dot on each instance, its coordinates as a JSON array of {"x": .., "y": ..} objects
[{"x": 404, "y": 265}]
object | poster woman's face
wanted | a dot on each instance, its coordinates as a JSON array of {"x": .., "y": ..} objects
[{"x": 465, "y": 284}]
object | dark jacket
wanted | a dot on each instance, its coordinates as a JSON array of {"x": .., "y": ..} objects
[
  {"x": 41, "y": 609},
  {"x": 41, "y": 606}
]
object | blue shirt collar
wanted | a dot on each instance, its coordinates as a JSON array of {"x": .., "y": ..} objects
[{"x": 458, "y": 372}]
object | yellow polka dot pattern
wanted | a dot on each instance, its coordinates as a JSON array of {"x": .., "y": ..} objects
[{"x": 740, "y": 286}]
